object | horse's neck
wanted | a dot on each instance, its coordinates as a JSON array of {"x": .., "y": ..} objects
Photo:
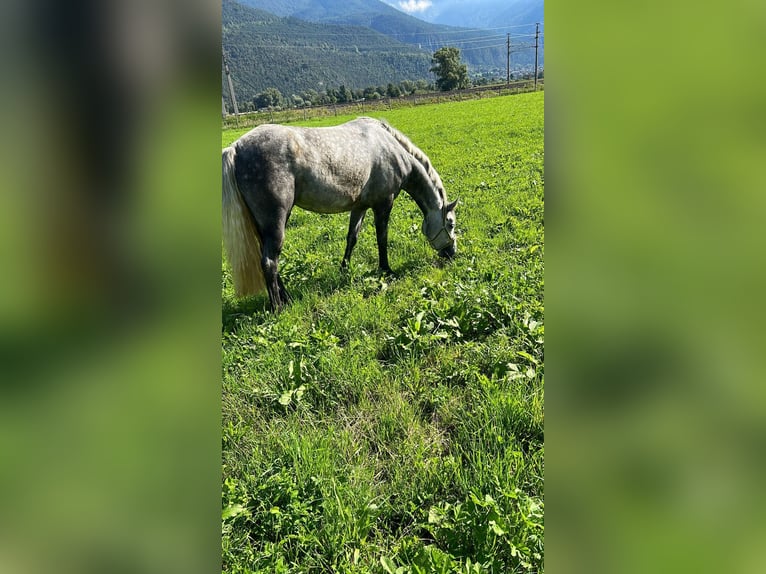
[{"x": 422, "y": 189}]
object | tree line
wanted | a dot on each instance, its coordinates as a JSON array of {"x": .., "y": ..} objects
[
  {"x": 273, "y": 98},
  {"x": 451, "y": 74}
]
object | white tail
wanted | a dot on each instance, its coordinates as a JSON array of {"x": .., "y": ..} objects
[{"x": 240, "y": 237}]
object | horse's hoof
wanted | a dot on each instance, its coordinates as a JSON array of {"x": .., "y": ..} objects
[{"x": 284, "y": 300}]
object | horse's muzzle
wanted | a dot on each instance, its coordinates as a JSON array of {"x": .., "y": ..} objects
[{"x": 448, "y": 252}]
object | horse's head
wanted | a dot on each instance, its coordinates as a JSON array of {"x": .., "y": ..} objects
[{"x": 439, "y": 228}]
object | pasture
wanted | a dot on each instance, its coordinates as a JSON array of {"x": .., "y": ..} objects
[{"x": 395, "y": 423}]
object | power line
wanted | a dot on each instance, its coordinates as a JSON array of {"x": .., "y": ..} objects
[
  {"x": 468, "y": 42},
  {"x": 464, "y": 30},
  {"x": 355, "y": 47},
  {"x": 513, "y": 51},
  {"x": 433, "y": 39},
  {"x": 371, "y": 32},
  {"x": 537, "y": 35},
  {"x": 483, "y": 47},
  {"x": 493, "y": 37}
]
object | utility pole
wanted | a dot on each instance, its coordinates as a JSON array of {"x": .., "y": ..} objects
[
  {"x": 508, "y": 60},
  {"x": 231, "y": 89},
  {"x": 537, "y": 35}
]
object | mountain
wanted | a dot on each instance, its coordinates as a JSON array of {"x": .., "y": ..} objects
[
  {"x": 300, "y": 45},
  {"x": 292, "y": 55},
  {"x": 344, "y": 11},
  {"x": 521, "y": 12},
  {"x": 359, "y": 12},
  {"x": 482, "y": 50}
]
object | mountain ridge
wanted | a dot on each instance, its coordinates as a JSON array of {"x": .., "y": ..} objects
[
  {"x": 292, "y": 55},
  {"x": 357, "y": 43},
  {"x": 481, "y": 49}
]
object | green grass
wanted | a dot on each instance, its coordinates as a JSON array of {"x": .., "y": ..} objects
[{"x": 395, "y": 424}]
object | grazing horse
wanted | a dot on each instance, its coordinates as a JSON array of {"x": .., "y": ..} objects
[{"x": 360, "y": 165}]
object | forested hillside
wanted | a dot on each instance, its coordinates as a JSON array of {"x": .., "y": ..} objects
[
  {"x": 325, "y": 10},
  {"x": 292, "y": 55},
  {"x": 482, "y": 50}
]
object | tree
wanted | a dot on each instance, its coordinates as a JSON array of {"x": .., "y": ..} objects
[
  {"x": 451, "y": 74},
  {"x": 332, "y": 95},
  {"x": 370, "y": 93},
  {"x": 393, "y": 91},
  {"x": 344, "y": 94},
  {"x": 310, "y": 97},
  {"x": 407, "y": 86},
  {"x": 268, "y": 98}
]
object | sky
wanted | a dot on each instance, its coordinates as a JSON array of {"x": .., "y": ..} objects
[
  {"x": 469, "y": 12},
  {"x": 412, "y": 6},
  {"x": 433, "y": 7}
]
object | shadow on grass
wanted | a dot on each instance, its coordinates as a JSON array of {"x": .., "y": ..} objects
[
  {"x": 332, "y": 281},
  {"x": 258, "y": 307},
  {"x": 233, "y": 309}
]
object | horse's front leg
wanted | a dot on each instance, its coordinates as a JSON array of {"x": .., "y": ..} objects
[
  {"x": 354, "y": 225},
  {"x": 382, "y": 214}
]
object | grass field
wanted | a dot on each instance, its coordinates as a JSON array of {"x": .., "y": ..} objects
[{"x": 395, "y": 424}]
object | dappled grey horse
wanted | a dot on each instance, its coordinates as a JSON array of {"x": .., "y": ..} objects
[{"x": 360, "y": 165}]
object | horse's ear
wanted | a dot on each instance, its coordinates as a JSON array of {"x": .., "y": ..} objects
[{"x": 450, "y": 206}]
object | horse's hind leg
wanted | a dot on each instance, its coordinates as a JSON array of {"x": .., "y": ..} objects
[
  {"x": 270, "y": 250},
  {"x": 354, "y": 225},
  {"x": 283, "y": 292}
]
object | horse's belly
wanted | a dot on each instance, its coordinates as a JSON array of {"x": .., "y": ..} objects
[
  {"x": 330, "y": 186},
  {"x": 325, "y": 199}
]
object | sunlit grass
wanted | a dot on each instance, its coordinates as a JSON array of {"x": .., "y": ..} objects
[{"x": 397, "y": 422}]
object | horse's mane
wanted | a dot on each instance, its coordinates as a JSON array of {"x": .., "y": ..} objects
[{"x": 415, "y": 151}]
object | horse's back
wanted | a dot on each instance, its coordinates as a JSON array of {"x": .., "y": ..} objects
[
  {"x": 354, "y": 141},
  {"x": 328, "y": 169}
]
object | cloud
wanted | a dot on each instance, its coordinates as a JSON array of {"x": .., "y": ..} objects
[{"x": 414, "y": 5}]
